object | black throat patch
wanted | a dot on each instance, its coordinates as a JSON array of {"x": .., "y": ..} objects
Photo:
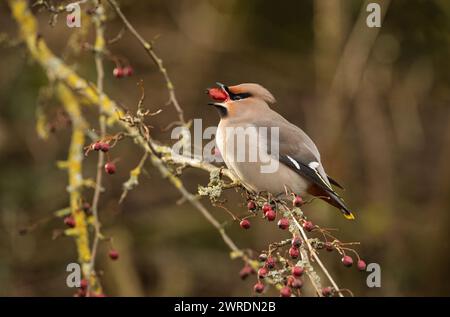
[{"x": 223, "y": 112}]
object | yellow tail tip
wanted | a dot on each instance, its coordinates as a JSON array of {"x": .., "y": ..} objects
[{"x": 349, "y": 216}]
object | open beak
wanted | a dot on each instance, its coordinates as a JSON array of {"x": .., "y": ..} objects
[{"x": 219, "y": 95}]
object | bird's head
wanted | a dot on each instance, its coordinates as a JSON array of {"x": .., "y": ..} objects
[{"x": 232, "y": 101}]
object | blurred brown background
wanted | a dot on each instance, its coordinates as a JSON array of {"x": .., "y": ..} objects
[{"x": 376, "y": 101}]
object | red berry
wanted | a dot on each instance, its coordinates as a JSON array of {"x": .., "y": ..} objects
[
  {"x": 297, "y": 271},
  {"x": 110, "y": 168},
  {"x": 118, "y": 72},
  {"x": 104, "y": 147},
  {"x": 294, "y": 252},
  {"x": 327, "y": 291},
  {"x": 245, "y": 224},
  {"x": 262, "y": 272},
  {"x": 298, "y": 201},
  {"x": 113, "y": 255},
  {"x": 217, "y": 94},
  {"x": 245, "y": 272},
  {"x": 69, "y": 221},
  {"x": 328, "y": 246},
  {"x": 258, "y": 287},
  {"x": 283, "y": 223},
  {"x": 308, "y": 226},
  {"x": 347, "y": 261},
  {"x": 296, "y": 242},
  {"x": 285, "y": 292},
  {"x": 266, "y": 207},
  {"x": 296, "y": 283},
  {"x": 270, "y": 263},
  {"x": 251, "y": 205},
  {"x": 361, "y": 265},
  {"x": 128, "y": 71},
  {"x": 271, "y": 215},
  {"x": 97, "y": 146},
  {"x": 83, "y": 284}
]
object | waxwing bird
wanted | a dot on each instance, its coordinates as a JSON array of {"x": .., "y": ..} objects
[{"x": 264, "y": 150}]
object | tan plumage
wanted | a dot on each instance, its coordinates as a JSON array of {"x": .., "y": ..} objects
[{"x": 299, "y": 168}]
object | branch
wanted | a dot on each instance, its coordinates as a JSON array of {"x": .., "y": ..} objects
[{"x": 98, "y": 18}]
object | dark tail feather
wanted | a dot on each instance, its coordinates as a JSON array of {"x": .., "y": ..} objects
[
  {"x": 337, "y": 201},
  {"x": 333, "y": 199}
]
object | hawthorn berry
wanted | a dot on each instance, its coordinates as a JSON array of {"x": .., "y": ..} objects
[
  {"x": 361, "y": 265},
  {"x": 271, "y": 215},
  {"x": 270, "y": 263},
  {"x": 118, "y": 72},
  {"x": 110, "y": 168},
  {"x": 258, "y": 287},
  {"x": 262, "y": 272},
  {"x": 294, "y": 252},
  {"x": 308, "y": 226},
  {"x": 297, "y": 271},
  {"x": 245, "y": 272},
  {"x": 285, "y": 291},
  {"x": 296, "y": 242},
  {"x": 251, "y": 205},
  {"x": 245, "y": 223},
  {"x": 97, "y": 146},
  {"x": 266, "y": 207},
  {"x": 113, "y": 255},
  {"x": 104, "y": 147},
  {"x": 297, "y": 201},
  {"x": 327, "y": 291},
  {"x": 347, "y": 261},
  {"x": 296, "y": 283},
  {"x": 69, "y": 221},
  {"x": 283, "y": 223},
  {"x": 128, "y": 71}
]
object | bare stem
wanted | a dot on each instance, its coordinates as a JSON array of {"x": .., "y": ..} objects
[
  {"x": 98, "y": 17},
  {"x": 155, "y": 58}
]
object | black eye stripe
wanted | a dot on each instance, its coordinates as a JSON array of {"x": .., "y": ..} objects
[{"x": 239, "y": 96}]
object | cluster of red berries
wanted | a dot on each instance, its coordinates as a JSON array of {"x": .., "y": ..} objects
[
  {"x": 294, "y": 251},
  {"x": 110, "y": 167},
  {"x": 120, "y": 72},
  {"x": 101, "y": 146},
  {"x": 348, "y": 262},
  {"x": 292, "y": 281},
  {"x": 270, "y": 214}
]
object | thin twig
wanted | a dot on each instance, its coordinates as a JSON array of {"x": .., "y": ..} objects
[
  {"x": 99, "y": 46},
  {"x": 156, "y": 59}
]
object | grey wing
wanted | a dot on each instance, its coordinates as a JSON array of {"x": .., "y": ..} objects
[{"x": 293, "y": 142}]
